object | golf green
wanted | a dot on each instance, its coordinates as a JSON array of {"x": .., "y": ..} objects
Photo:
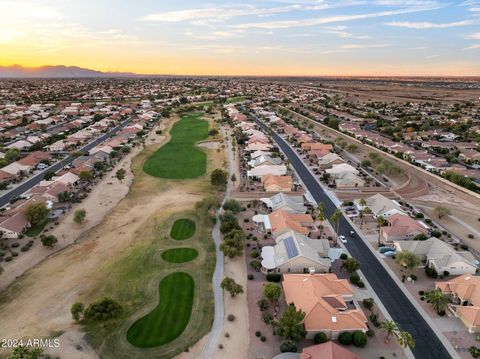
[
  {"x": 180, "y": 158},
  {"x": 182, "y": 229},
  {"x": 170, "y": 317},
  {"x": 180, "y": 255}
]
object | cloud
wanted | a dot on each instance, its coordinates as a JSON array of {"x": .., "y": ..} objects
[
  {"x": 429, "y": 25},
  {"x": 327, "y": 20},
  {"x": 472, "y": 47},
  {"x": 363, "y": 46},
  {"x": 215, "y": 13},
  {"x": 475, "y": 36}
]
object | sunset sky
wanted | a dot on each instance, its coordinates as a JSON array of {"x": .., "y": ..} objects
[{"x": 263, "y": 37}]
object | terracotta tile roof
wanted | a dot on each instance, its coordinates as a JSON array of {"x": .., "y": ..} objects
[
  {"x": 321, "y": 297},
  {"x": 282, "y": 220},
  {"x": 329, "y": 350}
]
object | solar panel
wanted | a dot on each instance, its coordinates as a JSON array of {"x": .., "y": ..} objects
[{"x": 290, "y": 247}]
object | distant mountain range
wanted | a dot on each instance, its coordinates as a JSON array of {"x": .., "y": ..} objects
[{"x": 59, "y": 71}]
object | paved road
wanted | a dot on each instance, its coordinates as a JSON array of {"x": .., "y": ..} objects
[
  {"x": 36, "y": 179},
  {"x": 428, "y": 345}
]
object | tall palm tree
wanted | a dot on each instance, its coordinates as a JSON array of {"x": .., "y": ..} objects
[
  {"x": 380, "y": 223},
  {"x": 404, "y": 340},
  {"x": 438, "y": 300},
  {"x": 335, "y": 218},
  {"x": 390, "y": 328},
  {"x": 320, "y": 215}
]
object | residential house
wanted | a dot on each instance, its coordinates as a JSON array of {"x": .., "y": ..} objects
[
  {"x": 328, "y": 350},
  {"x": 261, "y": 171},
  {"x": 440, "y": 255},
  {"x": 291, "y": 204},
  {"x": 327, "y": 303},
  {"x": 380, "y": 206},
  {"x": 349, "y": 180},
  {"x": 281, "y": 221},
  {"x": 296, "y": 253},
  {"x": 464, "y": 292},
  {"x": 402, "y": 227},
  {"x": 338, "y": 171},
  {"x": 329, "y": 160},
  {"x": 273, "y": 183},
  {"x": 265, "y": 160}
]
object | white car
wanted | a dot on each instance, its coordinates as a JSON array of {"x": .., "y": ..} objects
[{"x": 342, "y": 239}]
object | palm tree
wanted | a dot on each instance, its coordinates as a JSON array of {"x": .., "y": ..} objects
[
  {"x": 405, "y": 339},
  {"x": 380, "y": 223},
  {"x": 335, "y": 218},
  {"x": 320, "y": 215},
  {"x": 363, "y": 204},
  {"x": 438, "y": 300},
  {"x": 390, "y": 328}
]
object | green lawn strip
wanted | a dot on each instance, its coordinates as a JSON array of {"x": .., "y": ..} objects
[
  {"x": 182, "y": 229},
  {"x": 180, "y": 255},
  {"x": 180, "y": 158},
  {"x": 170, "y": 317},
  {"x": 34, "y": 231}
]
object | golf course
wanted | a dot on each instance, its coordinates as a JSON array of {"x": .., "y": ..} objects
[
  {"x": 179, "y": 255},
  {"x": 170, "y": 317},
  {"x": 180, "y": 158},
  {"x": 182, "y": 229}
]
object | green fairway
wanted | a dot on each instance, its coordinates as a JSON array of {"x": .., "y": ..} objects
[
  {"x": 170, "y": 317},
  {"x": 180, "y": 158},
  {"x": 182, "y": 229},
  {"x": 180, "y": 255}
]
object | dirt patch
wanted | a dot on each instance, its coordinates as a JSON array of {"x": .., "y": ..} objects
[{"x": 212, "y": 145}]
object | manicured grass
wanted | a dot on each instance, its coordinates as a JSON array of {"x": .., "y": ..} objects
[
  {"x": 35, "y": 230},
  {"x": 180, "y": 158},
  {"x": 182, "y": 229},
  {"x": 171, "y": 316},
  {"x": 180, "y": 255}
]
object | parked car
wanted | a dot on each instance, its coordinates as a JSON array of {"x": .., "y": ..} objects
[
  {"x": 386, "y": 249},
  {"x": 342, "y": 238},
  {"x": 352, "y": 234},
  {"x": 389, "y": 254}
]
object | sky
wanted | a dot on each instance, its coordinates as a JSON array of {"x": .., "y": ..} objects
[{"x": 262, "y": 37}]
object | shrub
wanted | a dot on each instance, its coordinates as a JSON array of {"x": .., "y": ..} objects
[
  {"x": 15, "y": 245},
  {"x": 370, "y": 333},
  {"x": 288, "y": 346},
  {"x": 354, "y": 278},
  {"x": 343, "y": 256},
  {"x": 227, "y": 335},
  {"x": 419, "y": 215},
  {"x": 220, "y": 346},
  {"x": 250, "y": 276},
  {"x": 258, "y": 334},
  {"x": 360, "y": 284},
  {"x": 474, "y": 351},
  {"x": 273, "y": 277},
  {"x": 8, "y": 258},
  {"x": 256, "y": 265},
  {"x": 231, "y": 317},
  {"x": 359, "y": 339},
  {"x": 470, "y": 236},
  {"x": 255, "y": 254},
  {"x": 267, "y": 318},
  {"x": 368, "y": 303},
  {"x": 436, "y": 234},
  {"x": 320, "y": 338},
  {"x": 446, "y": 273},
  {"x": 464, "y": 246},
  {"x": 263, "y": 303},
  {"x": 413, "y": 276},
  {"x": 421, "y": 292},
  {"x": 263, "y": 339},
  {"x": 431, "y": 272},
  {"x": 232, "y": 205},
  {"x": 345, "y": 338},
  {"x": 374, "y": 319}
]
